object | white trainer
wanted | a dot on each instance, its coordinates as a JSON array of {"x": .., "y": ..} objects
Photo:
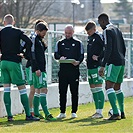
[
  {"x": 61, "y": 115},
  {"x": 97, "y": 116},
  {"x": 74, "y": 115}
]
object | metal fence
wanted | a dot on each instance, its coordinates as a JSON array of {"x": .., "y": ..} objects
[{"x": 52, "y": 66}]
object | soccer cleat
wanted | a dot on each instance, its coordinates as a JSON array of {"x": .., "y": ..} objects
[
  {"x": 39, "y": 116},
  {"x": 49, "y": 117},
  {"x": 123, "y": 115},
  {"x": 73, "y": 115},
  {"x": 115, "y": 117},
  {"x": 97, "y": 116},
  {"x": 61, "y": 116},
  {"x": 32, "y": 118},
  {"x": 10, "y": 118}
]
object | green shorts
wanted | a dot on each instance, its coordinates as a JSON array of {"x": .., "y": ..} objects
[
  {"x": 12, "y": 72},
  {"x": 40, "y": 82},
  {"x": 29, "y": 76},
  {"x": 0, "y": 71},
  {"x": 93, "y": 76},
  {"x": 114, "y": 73}
]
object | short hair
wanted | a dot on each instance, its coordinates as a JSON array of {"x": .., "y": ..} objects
[
  {"x": 69, "y": 26},
  {"x": 103, "y": 16},
  {"x": 41, "y": 26},
  {"x": 38, "y": 21},
  {"x": 9, "y": 18},
  {"x": 90, "y": 25}
]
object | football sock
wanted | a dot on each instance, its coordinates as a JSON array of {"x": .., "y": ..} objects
[
  {"x": 112, "y": 99},
  {"x": 36, "y": 102},
  {"x": 95, "y": 97},
  {"x": 100, "y": 97},
  {"x": 31, "y": 110},
  {"x": 43, "y": 102},
  {"x": 25, "y": 101},
  {"x": 7, "y": 100},
  {"x": 120, "y": 98}
]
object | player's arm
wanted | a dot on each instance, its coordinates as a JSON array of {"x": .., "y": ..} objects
[
  {"x": 108, "y": 47},
  {"x": 57, "y": 55}
]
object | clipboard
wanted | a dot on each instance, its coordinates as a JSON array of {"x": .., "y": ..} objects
[{"x": 67, "y": 61}]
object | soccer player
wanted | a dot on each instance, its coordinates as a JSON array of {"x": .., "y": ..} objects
[
  {"x": 38, "y": 64},
  {"x": 114, "y": 61},
  {"x": 94, "y": 55},
  {"x": 33, "y": 110},
  {"x": 11, "y": 68},
  {"x": 69, "y": 48}
]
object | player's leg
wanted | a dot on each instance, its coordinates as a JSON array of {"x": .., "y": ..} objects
[
  {"x": 29, "y": 79},
  {"x": 41, "y": 83},
  {"x": 92, "y": 88},
  {"x": 119, "y": 92},
  {"x": 74, "y": 88},
  {"x": 7, "y": 88},
  {"x": 18, "y": 78},
  {"x": 111, "y": 78},
  {"x": 63, "y": 85}
]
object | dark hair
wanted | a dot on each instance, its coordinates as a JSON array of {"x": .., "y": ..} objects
[
  {"x": 38, "y": 21},
  {"x": 41, "y": 26},
  {"x": 90, "y": 25},
  {"x": 103, "y": 16}
]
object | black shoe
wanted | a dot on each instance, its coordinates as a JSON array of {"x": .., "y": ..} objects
[
  {"x": 32, "y": 118},
  {"x": 10, "y": 118},
  {"x": 123, "y": 115},
  {"x": 115, "y": 117}
]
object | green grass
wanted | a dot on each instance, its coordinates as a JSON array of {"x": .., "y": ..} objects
[{"x": 82, "y": 124}]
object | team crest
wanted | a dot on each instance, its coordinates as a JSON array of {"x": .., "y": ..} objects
[{"x": 73, "y": 44}]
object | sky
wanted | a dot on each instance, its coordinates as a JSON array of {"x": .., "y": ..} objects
[{"x": 110, "y": 1}]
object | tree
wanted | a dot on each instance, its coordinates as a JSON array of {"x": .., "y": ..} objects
[
  {"x": 24, "y": 11},
  {"x": 124, "y": 9}
]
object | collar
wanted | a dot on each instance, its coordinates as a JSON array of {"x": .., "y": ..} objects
[
  {"x": 9, "y": 25},
  {"x": 110, "y": 24}
]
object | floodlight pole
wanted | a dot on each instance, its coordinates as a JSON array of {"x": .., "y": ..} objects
[{"x": 74, "y": 2}]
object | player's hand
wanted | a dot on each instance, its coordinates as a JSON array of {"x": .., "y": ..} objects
[
  {"x": 101, "y": 71},
  {"x": 62, "y": 58},
  {"x": 0, "y": 56},
  {"x": 75, "y": 63},
  {"x": 38, "y": 73},
  {"x": 95, "y": 57},
  {"x": 21, "y": 55}
]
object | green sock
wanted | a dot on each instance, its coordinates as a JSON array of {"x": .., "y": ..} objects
[
  {"x": 120, "y": 98},
  {"x": 43, "y": 102},
  {"x": 95, "y": 97},
  {"x": 100, "y": 97},
  {"x": 36, "y": 102},
  {"x": 7, "y": 100},
  {"x": 25, "y": 101},
  {"x": 112, "y": 100}
]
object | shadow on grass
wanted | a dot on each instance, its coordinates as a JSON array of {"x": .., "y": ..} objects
[
  {"x": 92, "y": 122},
  {"x": 15, "y": 122}
]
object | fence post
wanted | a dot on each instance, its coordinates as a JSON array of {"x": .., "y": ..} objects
[
  {"x": 129, "y": 59},
  {"x": 49, "y": 60}
]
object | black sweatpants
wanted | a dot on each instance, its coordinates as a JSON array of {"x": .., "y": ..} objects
[{"x": 70, "y": 78}]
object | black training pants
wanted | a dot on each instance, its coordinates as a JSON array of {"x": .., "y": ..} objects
[{"x": 70, "y": 78}]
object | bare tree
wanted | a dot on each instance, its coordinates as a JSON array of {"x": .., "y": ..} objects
[{"x": 24, "y": 11}]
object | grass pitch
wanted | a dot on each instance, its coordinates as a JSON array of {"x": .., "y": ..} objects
[{"x": 82, "y": 124}]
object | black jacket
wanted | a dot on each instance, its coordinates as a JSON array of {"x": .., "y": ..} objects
[
  {"x": 72, "y": 49},
  {"x": 10, "y": 38},
  {"x": 114, "y": 46},
  {"x": 95, "y": 47},
  {"x": 38, "y": 61}
]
